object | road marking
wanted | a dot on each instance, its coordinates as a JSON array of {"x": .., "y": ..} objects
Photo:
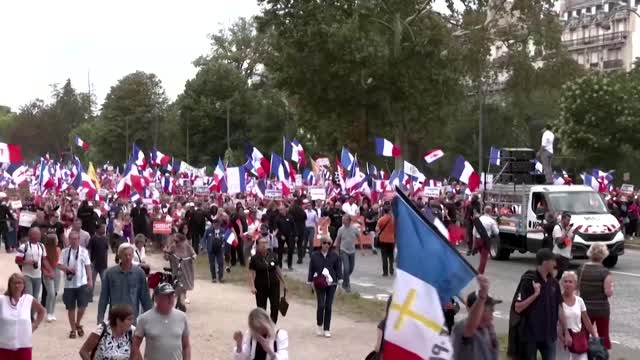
[
  {"x": 625, "y": 273},
  {"x": 368, "y": 297},
  {"x": 615, "y": 342},
  {"x": 363, "y": 284}
]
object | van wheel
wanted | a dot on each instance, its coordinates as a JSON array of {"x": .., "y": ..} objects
[
  {"x": 497, "y": 251},
  {"x": 610, "y": 261}
]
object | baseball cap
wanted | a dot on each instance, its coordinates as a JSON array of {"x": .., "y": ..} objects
[
  {"x": 164, "y": 289},
  {"x": 473, "y": 297}
]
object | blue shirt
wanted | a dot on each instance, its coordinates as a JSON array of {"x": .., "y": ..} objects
[{"x": 124, "y": 287}]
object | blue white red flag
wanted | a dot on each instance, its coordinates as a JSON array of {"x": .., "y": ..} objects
[
  {"x": 463, "y": 171},
  {"x": 230, "y": 237},
  {"x": 386, "y": 148},
  {"x": 433, "y": 155},
  {"x": 138, "y": 157},
  {"x": 81, "y": 143}
]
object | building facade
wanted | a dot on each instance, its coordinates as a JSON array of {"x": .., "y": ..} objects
[{"x": 602, "y": 34}]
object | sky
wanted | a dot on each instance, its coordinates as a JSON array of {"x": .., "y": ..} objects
[{"x": 45, "y": 42}]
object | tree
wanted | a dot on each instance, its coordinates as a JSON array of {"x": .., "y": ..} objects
[
  {"x": 599, "y": 118},
  {"x": 133, "y": 112}
]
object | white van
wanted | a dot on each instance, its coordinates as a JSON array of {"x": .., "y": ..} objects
[{"x": 520, "y": 212}]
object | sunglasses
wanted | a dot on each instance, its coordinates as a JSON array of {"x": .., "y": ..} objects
[{"x": 326, "y": 243}]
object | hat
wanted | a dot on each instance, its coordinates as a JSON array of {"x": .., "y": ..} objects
[
  {"x": 472, "y": 297},
  {"x": 163, "y": 289},
  {"x": 305, "y": 201}
]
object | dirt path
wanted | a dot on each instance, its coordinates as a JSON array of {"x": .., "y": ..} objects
[{"x": 215, "y": 312}]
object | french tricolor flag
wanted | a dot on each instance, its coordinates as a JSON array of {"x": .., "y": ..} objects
[
  {"x": 433, "y": 155},
  {"x": 10, "y": 153},
  {"x": 230, "y": 237},
  {"x": 81, "y": 143},
  {"x": 159, "y": 158},
  {"x": 464, "y": 172},
  {"x": 138, "y": 157},
  {"x": 219, "y": 175},
  {"x": 386, "y": 148}
]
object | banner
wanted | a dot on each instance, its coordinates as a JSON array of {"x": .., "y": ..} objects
[
  {"x": 162, "y": 227},
  {"x": 234, "y": 179},
  {"x": 323, "y": 162},
  {"x": 273, "y": 194},
  {"x": 201, "y": 191},
  {"x": 317, "y": 193},
  {"x": 15, "y": 204},
  {"x": 27, "y": 218},
  {"x": 298, "y": 180},
  {"x": 186, "y": 168},
  {"x": 626, "y": 189}
]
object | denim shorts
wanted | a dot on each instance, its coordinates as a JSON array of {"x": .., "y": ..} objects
[{"x": 76, "y": 297}]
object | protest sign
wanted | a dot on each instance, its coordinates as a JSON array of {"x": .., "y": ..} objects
[
  {"x": 26, "y": 218},
  {"x": 626, "y": 189},
  {"x": 431, "y": 191},
  {"x": 15, "y": 204},
  {"x": 162, "y": 227},
  {"x": 273, "y": 194},
  {"x": 201, "y": 190},
  {"x": 323, "y": 161},
  {"x": 298, "y": 180},
  {"x": 317, "y": 193}
]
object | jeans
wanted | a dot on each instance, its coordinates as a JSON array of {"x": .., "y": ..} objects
[
  {"x": 547, "y": 350},
  {"x": 386, "y": 250},
  {"x": 273, "y": 295},
  {"x": 10, "y": 238},
  {"x": 325, "y": 302},
  {"x": 195, "y": 242},
  {"x": 33, "y": 286},
  {"x": 348, "y": 264},
  {"x": 301, "y": 240},
  {"x": 49, "y": 285},
  {"x": 94, "y": 276},
  {"x": 545, "y": 160},
  {"x": 57, "y": 279},
  {"x": 216, "y": 258},
  {"x": 309, "y": 236}
]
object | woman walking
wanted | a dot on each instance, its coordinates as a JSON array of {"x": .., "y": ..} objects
[
  {"x": 596, "y": 287},
  {"x": 185, "y": 255},
  {"x": 575, "y": 316},
  {"x": 111, "y": 340},
  {"x": 16, "y": 326},
  {"x": 262, "y": 341},
  {"x": 325, "y": 271},
  {"x": 265, "y": 278},
  {"x": 51, "y": 276}
]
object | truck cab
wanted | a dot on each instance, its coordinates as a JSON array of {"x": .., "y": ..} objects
[{"x": 520, "y": 212}]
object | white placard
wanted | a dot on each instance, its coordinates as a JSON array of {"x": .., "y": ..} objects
[
  {"x": 273, "y": 194},
  {"x": 26, "y": 218},
  {"x": 233, "y": 180},
  {"x": 298, "y": 180},
  {"x": 186, "y": 168},
  {"x": 15, "y": 204},
  {"x": 323, "y": 161},
  {"x": 317, "y": 193},
  {"x": 431, "y": 191}
]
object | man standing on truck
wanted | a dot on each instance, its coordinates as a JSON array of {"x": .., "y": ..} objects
[
  {"x": 562, "y": 240},
  {"x": 546, "y": 153},
  {"x": 484, "y": 228}
]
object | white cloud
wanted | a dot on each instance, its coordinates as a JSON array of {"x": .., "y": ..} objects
[{"x": 45, "y": 42}]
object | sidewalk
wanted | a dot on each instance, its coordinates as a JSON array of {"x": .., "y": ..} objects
[{"x": 215, "y": 312}]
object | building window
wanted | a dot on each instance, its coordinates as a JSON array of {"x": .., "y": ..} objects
[{"x": 580, "y": 59}]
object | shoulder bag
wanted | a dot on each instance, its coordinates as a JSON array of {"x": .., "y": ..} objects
[
  {"x": 376, "y": 239},
  {"x": 580, "y": 339},
  {"x": 284, "y": 304},
  {"x": 320, "y": 281}
]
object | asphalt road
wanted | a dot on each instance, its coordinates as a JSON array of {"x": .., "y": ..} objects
[{"x": 504, "y": 276}]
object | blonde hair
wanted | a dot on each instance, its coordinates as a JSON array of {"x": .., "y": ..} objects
[
  {"x": 598, "y": 252},
  {"x": 140, "y": 238},
  {"x": 12, "y": 279},
  {"x": 567, "y": 274},
  {"x": 259, "y": 317}
]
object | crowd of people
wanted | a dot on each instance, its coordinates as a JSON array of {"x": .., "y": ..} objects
[{"x": 70, "y": 241}]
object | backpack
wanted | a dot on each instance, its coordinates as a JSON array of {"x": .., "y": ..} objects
[{"x": 129, "y": 335}]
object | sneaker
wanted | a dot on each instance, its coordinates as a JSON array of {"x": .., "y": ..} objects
[
  {"x": 221, "y": 281},
  {"x": 49, "y": 318},
  {"x": 214, "y": 281},
  {"x": 187, "y": 301},
  {"x": 53, "y": 318},
  {"x": 327, "y": 334},
  {"x": 319, "y": 331}
]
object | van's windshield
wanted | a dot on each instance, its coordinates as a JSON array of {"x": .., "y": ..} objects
[{"x": 577, "y": 202}]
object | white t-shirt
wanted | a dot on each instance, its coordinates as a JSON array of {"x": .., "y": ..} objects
[
  {"x": 489, "y": 224},
  {"x": 77, "y": 259},
  {"x": 30, "y": 251},
  {"x": 312, "y": 218},
  {"x": 15, "y": 323},
  {"x": 547, "y": 141},
  {"x": 350, "y": 209},
  {"x": 573, "y": 314},
  {"x": 557, "y": 233},
  {"x": 139, "y": 255}
]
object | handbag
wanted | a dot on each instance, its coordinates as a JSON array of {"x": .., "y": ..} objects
[
  {"x": 376, "y": 238},
  {"x": 320, "y": 282},
  {"x": 284, "y": 304},
  {"x": 579, "y": 341}
]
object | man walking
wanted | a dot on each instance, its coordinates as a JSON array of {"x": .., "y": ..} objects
[
  {"x": 284, "y": 226},
  {"x": 346, "y": 244},
  {"x": 310, "y": 225},
  {"x": 29, "y": 258},
  {"x": 5, "y": 217},
  {"x": 213, "y": 244},
  {"x": 197, "y": 224},
  {"x": 299, "y": 221},
  {"x": 536, "y": 311},
  {"x": 84, "y": 236},
  {"x": 164, "y": 328},
  {"x": 562, "y": 240},
  {"x": 76, "y": 265},
  {"x": 484, "y": 229},
  {"x": 124, "y": 284},
  {"x": 546, "y": 153},
  {"x": 98, "y": 248}
]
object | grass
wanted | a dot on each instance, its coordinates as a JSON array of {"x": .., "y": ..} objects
[{"x": 350, "y": 305}]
